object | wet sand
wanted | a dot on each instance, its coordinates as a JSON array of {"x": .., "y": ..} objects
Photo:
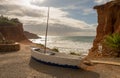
[{"x": 20, "y": 65}]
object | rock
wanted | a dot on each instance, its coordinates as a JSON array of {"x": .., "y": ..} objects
[
  {"x": 108, "y": 23},
  {"x": 30, "y": 35},
  {"x": 11, "y": 32}
]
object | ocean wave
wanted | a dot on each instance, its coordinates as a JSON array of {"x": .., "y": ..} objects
[{"x": 79, "y": 44}]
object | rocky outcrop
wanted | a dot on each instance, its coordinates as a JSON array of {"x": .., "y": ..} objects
[
  {"x": 108, "y": 23},
  {"x": 11, "y": 32},
  {"x": 30, "y": 35}
]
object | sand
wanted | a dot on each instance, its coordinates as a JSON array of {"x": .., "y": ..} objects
[{"x": 20, "y": 65}]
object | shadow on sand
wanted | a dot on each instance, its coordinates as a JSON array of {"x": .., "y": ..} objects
[{"x": 59, "y": 72}]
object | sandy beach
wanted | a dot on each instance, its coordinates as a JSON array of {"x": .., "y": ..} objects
[{"x": 20, "y": 65}]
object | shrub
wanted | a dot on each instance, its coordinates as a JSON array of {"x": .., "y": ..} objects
[
  {"x": 55, "y": 49},
  {"x": 113, "y": 42},
  {"x": 15, "y": 20},
  {"x": 73, "y": 53},
  {"x": 40, "y": 45},
  {"x": 5, "y": 21}
]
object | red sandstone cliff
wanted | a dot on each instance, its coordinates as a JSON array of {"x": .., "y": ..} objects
[
  {"x": 108, "y": 23},
  {"x": 15, "y": 33}
]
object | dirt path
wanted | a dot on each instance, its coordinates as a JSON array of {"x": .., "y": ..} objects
[{"x": 20, "y": 65}]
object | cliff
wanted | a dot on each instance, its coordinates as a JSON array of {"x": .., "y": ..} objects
[
  {"x": 108, "y": 23},
  {"x": 30, "y": 35},
  {"x": 13, "y": 32}
]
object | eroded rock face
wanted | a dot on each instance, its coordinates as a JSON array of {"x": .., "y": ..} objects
[
  {"x": 30, "y": 35},
  {"x": 13, "y": 32},
  {"x": 108, "y": 23}
]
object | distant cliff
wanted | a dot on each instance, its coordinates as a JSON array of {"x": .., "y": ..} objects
[
  {"x": 108, "y": 23},
  {"x": 30, "y": 35}
]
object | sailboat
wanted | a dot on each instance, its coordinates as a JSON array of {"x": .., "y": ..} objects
[{"x": 55, "y": 58}]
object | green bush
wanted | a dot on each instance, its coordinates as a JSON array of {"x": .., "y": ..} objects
[
  {"x": 40, "y": 45},
  {"x": 55, "y": 49},
  {"x": 15, "y": 20},
  {"x": 5, "y": 21},
  {"x": 113, "y": 42},
  {"x": 73, "y": 53}
]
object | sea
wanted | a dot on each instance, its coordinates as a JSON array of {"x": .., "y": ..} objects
[{"x": 68, "y": 44}]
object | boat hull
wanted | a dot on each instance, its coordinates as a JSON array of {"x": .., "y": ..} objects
[{"x": 59, "y": 59}]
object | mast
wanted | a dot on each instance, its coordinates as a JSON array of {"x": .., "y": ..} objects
[{"x": 46, "y": 30}]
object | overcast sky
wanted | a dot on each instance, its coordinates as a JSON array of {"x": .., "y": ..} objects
[{"x": 67, "y": 17}]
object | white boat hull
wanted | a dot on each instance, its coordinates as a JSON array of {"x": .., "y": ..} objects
[{"x": 58, "y": 59}]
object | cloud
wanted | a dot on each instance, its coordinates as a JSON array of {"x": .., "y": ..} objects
[
  {"x": 19, "y": 10},
  {"x": 57, "y": 3},
  {"x": 33, "y": 16},
  {"x": 59, "y": 29},
  {"x": 66, "y": 5},
  {"x": 88, "y": 11},
  {"x": 101, "y": 1}
]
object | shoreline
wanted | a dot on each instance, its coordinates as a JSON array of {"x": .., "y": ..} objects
[
  {"x": 71, "y": 46},
  {"x": 20, "y": 65}
]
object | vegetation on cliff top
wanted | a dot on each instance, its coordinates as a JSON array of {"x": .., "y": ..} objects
[{"x": 6, "y": 21}]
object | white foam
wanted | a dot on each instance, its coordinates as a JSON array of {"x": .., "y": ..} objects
[{"x": 66, "y": 46}]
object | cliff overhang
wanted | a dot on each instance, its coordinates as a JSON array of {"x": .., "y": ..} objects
[{"x": 108, "y": 23}]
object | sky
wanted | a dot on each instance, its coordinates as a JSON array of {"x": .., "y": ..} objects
[{"x": 67, "y": 17}]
